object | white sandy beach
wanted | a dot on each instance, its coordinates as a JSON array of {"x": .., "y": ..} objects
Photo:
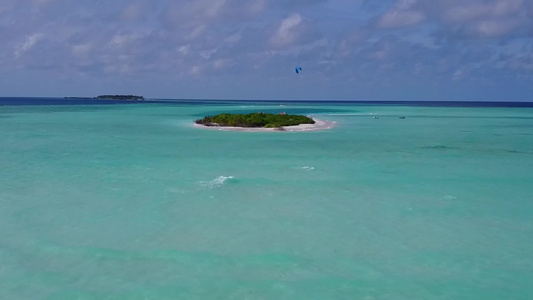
[{"x": 319, "y": 125}]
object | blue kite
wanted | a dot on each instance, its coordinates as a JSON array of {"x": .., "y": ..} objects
[{"x": 298, "y": 69}]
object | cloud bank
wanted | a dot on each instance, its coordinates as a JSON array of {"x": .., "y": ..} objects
[{"x": 404, "y": 49}]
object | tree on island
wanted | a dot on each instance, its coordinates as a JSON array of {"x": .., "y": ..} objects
[
  {"x": 255, "y": 120},
  {"x": 120, "y": 97}
]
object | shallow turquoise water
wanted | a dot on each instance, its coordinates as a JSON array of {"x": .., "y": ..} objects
[{"x": 132, "y": 202}]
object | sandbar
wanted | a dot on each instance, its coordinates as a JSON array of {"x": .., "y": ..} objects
[{"x": 319, "y": 125}]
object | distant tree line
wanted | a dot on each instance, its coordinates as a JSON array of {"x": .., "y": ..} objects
[
  {"x": 120, "y": 97},
  {"x": 255, "y": 120}
]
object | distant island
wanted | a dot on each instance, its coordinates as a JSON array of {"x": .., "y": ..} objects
[
  {"x": 120, "y": 97},
  {"x": 112, "y": 97},
  {"x": 255, "y": 120}
]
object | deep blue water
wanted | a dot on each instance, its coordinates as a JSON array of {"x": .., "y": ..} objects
[{"x": 83, "y": 101}]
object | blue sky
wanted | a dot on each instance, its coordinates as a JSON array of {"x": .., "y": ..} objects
[{"x": 228, "y": 49}]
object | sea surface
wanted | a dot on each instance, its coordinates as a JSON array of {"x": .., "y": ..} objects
[{"x": 113, "y": 200}]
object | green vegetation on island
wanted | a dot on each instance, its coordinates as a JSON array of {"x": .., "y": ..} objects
[
  {"x": 120, "y": 97},
  {"x": 258, "y": 119},
  {"x": 110, "y": 97}
]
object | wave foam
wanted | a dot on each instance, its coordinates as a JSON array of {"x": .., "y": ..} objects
[
  {"x": 347, "y": 114},
  {"x": 217, "y": 182}
]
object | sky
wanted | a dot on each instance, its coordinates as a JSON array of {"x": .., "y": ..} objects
[{"x": 227, "y": 49}]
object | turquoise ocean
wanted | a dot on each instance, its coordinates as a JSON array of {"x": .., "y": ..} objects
[{"x": 106, "y": 200}]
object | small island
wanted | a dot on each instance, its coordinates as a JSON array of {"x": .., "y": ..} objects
[
  {"x": 255, "y": 120},
  {"x": 120, "y": 97},
  {"x": 110, "y": 97}
]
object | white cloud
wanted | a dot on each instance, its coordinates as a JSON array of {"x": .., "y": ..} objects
[
  {"x": 196, "y": 31},
  {"x": 286, "y": 34},
  {"x": 81, "y": 50},
  {"x": 222, "y": 63},
  {"x": 481, "y": 10},
  {"x": 395, "y": 19},
  {"x": 207, "y": 54},
  {"x": 494, "y": 28},
  {"x": 133, "y": 11},
  {"x": 196, "y": 70},
  {"x": 29, "y": 43},
  {"x": 487, "y": 19},
  {"x": 458, "y": 74},
  {"x": 402, "y": 14},
  {"x": 233, "y": 39},
  {"x": 122, "y": 39},
  {"x": 521, "y": 62},
  {"x": 184, "y": 50},
  {"x": 465, "y": 18}
]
